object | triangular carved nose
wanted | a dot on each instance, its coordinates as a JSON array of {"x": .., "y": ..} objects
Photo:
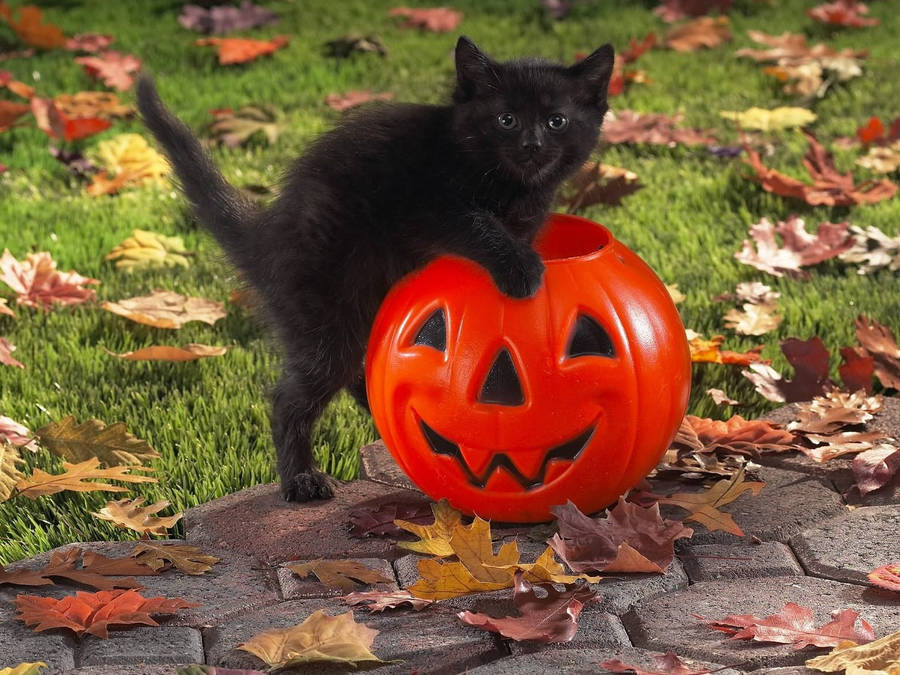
[{"x": 502, "y": 386}]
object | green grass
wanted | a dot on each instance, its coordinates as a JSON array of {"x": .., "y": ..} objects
[{"x": 208, "y": 419}]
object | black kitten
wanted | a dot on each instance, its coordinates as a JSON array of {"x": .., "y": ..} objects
[{"x": 389, "y": 189}]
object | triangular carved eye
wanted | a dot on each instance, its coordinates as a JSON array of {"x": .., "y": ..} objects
[
  {"x": 502, "y": 386},
  {"x": 589, "y": 338},
  {"x": 433, "y": 332}
]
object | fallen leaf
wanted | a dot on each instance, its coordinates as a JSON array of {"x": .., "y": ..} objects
[
  {"x": 799, "y": 247},
  {"x": 10, "y": 470},
  {"x": 719, "y": 397},
  {"x": 10, "y": 112},
  {"x": 94, "y": 571},
  {"x": 810, "y": 361},
  {"x": 184, "y": 558},
  {"x": 875, "y": 468},
  {"x": 676, "y": 295},
  {"x": 57, "y": 124},
  {"x": 438, "y": 19},
  {"x": 189, "y": 352},
  {"x": 702, "y": 32},
  {"x": 16, "y": 434},
  {"x": 675, "y": 10},
  {"x": 756, "y": 293},
  {"x": 131, "y": 155},
  {"x": 784, "y": 117},
  {"x": 234, "y": 128},
  {"x": 75, "y": 477},
  {"x": 734, "y": 435},
  {"x": 196, "y": 669},
  {"x": 380, "y": 520},
  {"x": 355, "y": 97},
  {"x": 666, "y": 664},
  {"x": 836, "y": 398},
  {"x": 89, "y": 42},
  {"x": 628, "y": 126},
  {"x": 95, "y": 613},
  {"x": 148, "y": 250},
  {"x": 842, "y": 13},
  {"x": 378, "y": 601},
  {"x": 16, "y": 87},
  {"x": 167, "y": 309},
  {"x": 552, "y": 617},
  {"x": 346, "y": 575},
  {"x": 33, "y": 668},
  {"x": 31, "y": 29},
  {"x": 838, "y": 444},
  {"x": 880, "y": 344},
  {"x": 753, "y": 320},
  {"x": 320, "y": 638},
  {"x": 707, "y": 351},
  {"x": 75, "y": 161},
  {"x": 857, "y": 369},
  {"x": 887, "y": 577},
  {"x": 546, "y": 569},
  {"x": 6, "y": 357},
  {"x": 4, "y": 308},
  {"x": 880, "y": 657},
  {"x": 344, "y": 46},
  {"x": 242, "y": 50},
  {"x": 434, "y": 539},
  {"x": 110, "y": 445},
  {"x": 113, "y": 68},
  {"x": 142, "y": 519},
  {"x": 224, "y": 19},
  {"x": 795, "y": 625},
  {"x": 103, "y": 104},
  {"x": 882, "y": 159},
  {"x": 596, "y": 183}
]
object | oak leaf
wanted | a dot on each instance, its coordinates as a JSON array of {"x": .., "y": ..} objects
[
  {"x": 783, "y": 117},
  {"x": 10, "y": 112},
  {"x": 438, "y": 19},
  {"x": 31, "y": 29},
  {"x": 10, "y": 470},
  {"x": 596, "y": 183},
  {"x": 355, "y": 97},
  {"x": 857, "y": 369},
  {"x": 94, "y": 571},
  {"x": 552, "y": 617},
  {"x": 75, "y": 478},
  {"x": 16, "y": 434},
  {"x": 167, "y": 309},
  {"x": 113, "y": 68},
  {"x": 702, "y": 32},
  {"x": 89, "y": 42},
  {"x": 735, "y": 435},
  {"x": 666, "y": 664},
  {"x": 6, "y": 357},
  {"x": 346, "y": 575},
  {"x": 753, "y": 320},
  {"x": 810, "y": 361},
  {"x": 381, "y": 520},
  {"x": 236, "y": 127},
  {"x": 880, "y": 657},
  {"x": 875, "y": 468},
  {"x": 189, "y": 352},
  {"x": 842, "y": 13},
  {"x": 111, "y": 445},
  {"x": 142, "y": 519},
  {"x": 628, "y": 126},
  {"x": 320, "y": 638},
  {"x": 799, "y": 247},
  {"x": 57, "y": 124},
  {"x": 37, "y": 282},
  {"x": 880, "y": 344},
  {"x": 224, "y": 19},
  {"x": 95, "y": 613},
  {"x": 674, "y": 10},
  {"x": 92, "y": 104},
  {"x": 184, "y": 558},
  {"x": 546, "y": 569},
  {"x": 242, "y": 50},
  {"x": 378, "y": 601},
  {"x": 33, "y": 668},
  {"x": 707, "y": 351},
  {"x": 434, "y": 539}
]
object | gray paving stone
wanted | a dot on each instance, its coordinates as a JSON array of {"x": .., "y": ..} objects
[
  {"x": 787, "y": 670},
  {"x": 132, "y": 670},
  {"x": 20, "y": 644},
  {"x": 258, "y": 522},
  {"x": 430, "y": 641},
  {"x": 850, "y": 546},
  {"x": 293, "y": 587},
  {"x": 666, "y": 622},
  {"x": 140, "y": 646},
  {"x": 711, "y": 562},
  {"x": 377, "y": 464}
]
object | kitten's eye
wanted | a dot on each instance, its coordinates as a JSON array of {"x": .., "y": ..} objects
[
  {"x": 507, "y": 120},
  {"x": 557, "y": 122}
]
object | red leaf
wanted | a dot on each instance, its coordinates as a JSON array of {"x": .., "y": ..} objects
[
  {"x": 842, "y": 13},
  {"x": 886, "y": 576},
  {"x": 89, "y": 42},
  {"x": 872, "y": 131},
  {"x": 114, "y": 68},
  {"x": 635, "y": 48},
  {"x": 10, "y": 112},
  {"x": 879, "y": 342},
  {"x": 857, "y": 370},
  {"x": 56, "y": 124},
  {"x": 438, "y": 19}
]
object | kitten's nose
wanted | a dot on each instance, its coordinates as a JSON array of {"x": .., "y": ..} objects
[{"x": 531, "y": 140}]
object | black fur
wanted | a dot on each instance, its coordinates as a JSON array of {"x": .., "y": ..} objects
[{"x": 386, "y": 191}]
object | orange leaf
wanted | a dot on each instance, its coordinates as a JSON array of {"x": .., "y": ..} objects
[
  {"x": 30, "y": 29},
  {"x": 438, "y": 19},
  {"x": 11, "y": 111},
  {"x": 56, "y": 124},
  {"x": 703, "y": 32},
  {"x": 353, "y": 98},
  {"x": 165, "y": 309},
  {"x": 886, "y": 576},
  {"x": 707, "y": 351},
  {"x": 190, "y": 352},
  {"x": 241, "y": 50},
  {"x": 16, "y": 87}
]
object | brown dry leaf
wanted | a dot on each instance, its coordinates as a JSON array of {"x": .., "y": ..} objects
[
  {"x": 735, "y": 435},
  {"x": 320, "y": 638},
  {"x": 92, "y": 104},
  {"x": 114, "y": 68},
  {"x": 74, "y": 477},
  {"x": 799, "y": 249},
  {"x": 884, "y": 159},
  {"x": 16, "y": 434},
  {"x": 707, "y": 351},
  {"x": 31, "y": 29},
  {"x": 674, "y": 10},
  {"x": 4, "y": 308},
  {"x": 702, "y": 32},
  {"x": 596, "y": 183},
  {"x": 880, "y": 657},
  {"x": 857, "y": 369},
  {"x": 810, "y": 360},
  {"x": 666, "y": 664},
  {"x": 167, "y": 309},
  {"x": 129, "y": 513},
  {"x": 184, "y": 558},
  {"x": 438, "y": 19},
  {"x": 94, "y": 571},
  {"x": 380, "y": 520},
  {"x": 628, "y": 126},
  {"x": 16, "y": 87},
  {"x": 346, "y": 575},
  {"x": 89, "y": 42},
  {"x": 38, "y": 283},
  {"x": 836, "y": 398},
  {"x": 434, "y": 539},
  {"x": 676, "y": 295},
  {"x": 842, "y": 13},
  {"x": 111, "y": 445},
  {"x": 879, "y": 342},
  {"x": 378, "y": 601},
  {"x": 719, "y": 397},
  {"x": 6, "y": 357},
  {"x": 875, "y": 468},
  {"x": 753, "y": 320},
  {"x": 839, "y": 443},
  {"x": 10, "y": 112},
  {"x": 242, "y": 50},
  {"x": 10, "y": 470},
  {"x": 189, "y": 352},
  {"x": 355, "y": 97}
]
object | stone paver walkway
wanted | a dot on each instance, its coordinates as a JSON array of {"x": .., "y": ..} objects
[{"x": 810, "y": 540}]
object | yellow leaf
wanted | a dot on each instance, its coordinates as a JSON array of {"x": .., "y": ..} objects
[
  {"x": 881, "y": 657},
  {"x": 783, "y": 117},
  {"x": 344, "y": 574},
  {"x": 166, "y": 309},
  {"x": 547, "y": 569},
  {"x": 434, "y": 539},
  {"x": 130, "y": 514},
  {"x": 112, "y": 445},
  {"x": 187, "y": 559},
  {"x": 472, "y": 545},
  {"x": 753, "y": 320},
  {"x": 440, "y": 581},
  {"x": 146, "y": 250},
  {"x": 703, "y": 506},
  {"x": 24, "y": 669},
  {"x": 10, "y": 474},
  {"x": 74, "y": 476},
  {"x": 676, "y": 295},
  {"x": 320, "y": 638},
  {"x": 130, "y": 154},
  {"x": 190, "y": 352}
]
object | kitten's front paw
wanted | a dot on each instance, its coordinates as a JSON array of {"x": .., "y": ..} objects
[
  {"x": 523, "y": 278},
  {"x": 307, "y": 486}
]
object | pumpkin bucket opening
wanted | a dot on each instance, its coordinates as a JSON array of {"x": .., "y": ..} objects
[{"x": 565, "y": 237}]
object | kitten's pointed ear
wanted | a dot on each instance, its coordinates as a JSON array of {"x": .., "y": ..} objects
[
  {"x": 595, "y": 70},
  {"x": 474, "y": 69}
]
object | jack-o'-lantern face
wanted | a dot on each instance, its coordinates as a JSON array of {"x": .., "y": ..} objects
[{"x": 507, "y": 407}]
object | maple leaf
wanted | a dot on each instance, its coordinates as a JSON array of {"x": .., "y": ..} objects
[
  {"x": 344, "y": 46},
  {"x": 434, "y": 539},
  {"x": 166, "y": 309},
  {"x": 225, "y": 19},
  {"x": 703, "y": 32},
  {"x": 234, "y": 128},
  {"x": 886, "y": 576},
  {"x": 629, "y": 539},
  {"x": 355, "y": 97},
  {"x": 674, "y": 10},
  {"x": 784, "y": 117},
  {"x": 6, "y": 357},
  {"x": 89, "y": 42},
  {"x": 242, "y": 50},
  {"x": 876, "y": 467},
  {"x": 33, "y": 668},
  {"x": 10, "y": 112},
  {"x": 95, "y": 571},
  {"x": 113, "y": 68},
  {"x": 147, "y": 250},
  {"x": 753, "y": 320},
  {"x": 30, "y": 27},
  {"x": 734, "y": 435},
  {"x": 74, "y": 477},
  {"x": 131, "y": 155},
  {"x": 343, "y": 574},
  {"x": 57, "y": 124},
  {"x": 810, "y": 361},
  {"x": 320, "y": 638},
  {"x": 800, "y": 248},
  {"x": 666, "y": 664},
  {"x": 184, "y": 558},
  {"x": 857, "y": 369},
  {"x": 842, "y": 13},
  {"x": 596, "y": 183},
  {"x": 378, "y": 601},
  {"x": 95, "y": 613},
  {"x": 37, "y": 282},
  {"x": 103, "y": 104},
  {"x": 189, "y": 352},
  {"x": 707, "y": 351},
  {"x": 111, "y": 445},
  {"x": 880, "y": 344},
  {"x": 881, "y": 656},
  {"x": 16, "y": 87},
  {"x": 546, "y": 569},
  {"x": 142, "y": 519},
  {"x": 10, "y": 472},
  {"x": 628, "y": 126},
  {"x": 795, "y": 625},
  {"x": 380, "y": 520},
  {"x": 438, "y": 19},
  {"x": 552, "y": 617},
  {"x": 16, "y": 434}
]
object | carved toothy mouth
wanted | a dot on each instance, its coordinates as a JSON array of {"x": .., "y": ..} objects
[{"x": 565, "y": 451}]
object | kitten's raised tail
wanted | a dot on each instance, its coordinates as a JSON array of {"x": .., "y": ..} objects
[{"x": 218, "y": 205}]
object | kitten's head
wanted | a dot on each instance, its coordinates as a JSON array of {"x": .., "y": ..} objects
[{"x": 531, "y": 120}]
